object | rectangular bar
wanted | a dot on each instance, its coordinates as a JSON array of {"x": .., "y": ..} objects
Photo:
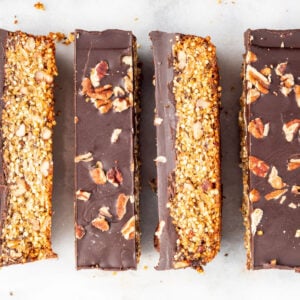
[
  {"x": 107, "y": 176},
  {"x": 270, "y": 123},
  {"x": 188, "y": 163},
  {"x": 27, "y": 70}
]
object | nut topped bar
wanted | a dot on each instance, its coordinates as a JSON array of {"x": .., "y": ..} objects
[
  {"x": 188, "y": 163},
  {"x": 270, "y": 122},
  {"x": 27, "y": 70},
  {"x": 106, "y": 165}
]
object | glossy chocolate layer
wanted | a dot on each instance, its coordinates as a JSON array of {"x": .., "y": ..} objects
[
  {"x": 107, "y": 250},
  {"x": 165, "y": 109},
  {"x": 276, "y": 242}
]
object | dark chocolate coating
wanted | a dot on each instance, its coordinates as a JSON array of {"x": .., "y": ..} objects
[
  {"x": 3, "y": 187},
  {"x": 279, "y": 222},
  {"x": 106, "y": 250},
  {"x": 165, "y": 109}
]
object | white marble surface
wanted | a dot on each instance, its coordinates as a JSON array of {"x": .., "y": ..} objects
[{"x": 224, "y": 278}]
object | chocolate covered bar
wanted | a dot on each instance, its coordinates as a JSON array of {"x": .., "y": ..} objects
[
  {"x": 187, "y": 96},
  {"x": 27, "y": 70},
  {"x": 106, "y": 162},
  {"x": 270, "y": 122}
]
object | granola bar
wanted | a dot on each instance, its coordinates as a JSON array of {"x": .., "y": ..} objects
[
  {"x": 188, "y": 153},
  {"x": 106, "y": 165},
  {"x": 27, "y": 70},
  {"x": 270, "y": 122}
]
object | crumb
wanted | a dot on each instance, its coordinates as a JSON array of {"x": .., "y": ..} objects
[
  {"x": 39, "y": 5},
  {"x": 226, "y": 254},
  {"x": 61, "y": 37},
  {"x": 219, "y": 1},
  {"x": 16, "y": 20},
  {"x": 11, "y": 293},
  {"x": 153, "y": 185},
  {"x": 114, "y": 273},
  {"x": 70, "y": 39},
  {"x": 136, "y": 19},
  {"x": 139, "y": 46},
  {"x": 145, "y": 267},
  {"x": 58, "y": 113}
]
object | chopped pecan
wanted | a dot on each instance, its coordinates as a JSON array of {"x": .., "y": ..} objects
[
  {"x": 114, "y": 176},
  {"x": 158, "y": 233},
  {"x": 100, "y": 223},
  {"x": 104, "y": 212},
  {"x": 257, "y": 79},
  {"x": 103, "y": 109},
  {"x": 297, "y": 233},
  {"x": 157, "y": 121},
  {"x": 252, "y": 95},
  {"x": 256, "y": 217},
  {"x": 258, "y": 166},
  {"x": 292, "y": 205},
  {"x": 296, "y": 189},
  {"x": 293, "y": 164},
  {"x": 287, "y": 80},
  {"x": 97, "y": 173},
  {"x": 127, "y": 60},
  {"x": 128, "y": 230},
  {"x": 86, "y": 157},
  {"x": 121, "y": 205},
  {"x": 161, "y": 159},
  {"x": 120, "y": 104},
  {"x": 128, "y": 85},
  {"x": 275, "y": 195},
  {"x": 275, "y": 180},
  {"x": 258, "y": 129},
  {"x": 290, "y": 129},
  {"x": 79, "y": 232},
  {"x": 98, "y": 73},
  {"x": 280, "y": 68},
  {"x": 115, "y": 135},
  {"x": 297, "y": 94},
  {"x": 82, "y": 195},
  {"x": 254, "y": 195},
  {"x": 250, "y": 57},
  {"x": 266, "y": 71},
  {"x": 118, "y": 92}
]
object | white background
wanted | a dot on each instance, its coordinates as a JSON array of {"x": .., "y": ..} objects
[{"x": 224, "y": 278}]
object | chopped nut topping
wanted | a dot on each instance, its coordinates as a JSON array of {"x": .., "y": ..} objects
[
  {"x": 275, "y": 195},
  {"x": 161, "y": 159},
  {"x": 297, "y": 94},
  {"x": 293, "y": 164},
  {"x": 98, "y": 73},
  {"x": 118, "y": 92},
  {"x": 297, "y": 234},
  {"x": 258, "y": 167},
  {"x": 258, "y": 129},
  {"x": 128, "y": 230},
  {"x": 97, "y": 174},
  {"x": 280, "y": 69},
  {"x": 254, "y": 195},
  {"x": 290, "y": 129},
  {"x": 82, "y": 195},
  {"x": 120, "y": 104},
  {"x": 260, "y": 233},
  {"x": 121, "y": 205},
  {"x": 100, "y": 223},
  {"x": 274, "y": 180},
  {"x": 266, "y": 71},
  {"x": 250, "y": 57},
  {"x": 127, "y": 60},
  {"x": 39, "y": 5},
  {"x": 292, "y": 205},
  {"x": 128, "y": 84},
  {"x": 114, "y": 176},
  {"x": 86, "y": 157},
  {"x": 257, "y": 79},
  {"x": 287, "y": 80},
  {"x": 252, "y": 95},
  {"x": 256, "y": 217},
  {"x": 79, "y": 232},
  {"x": 115, "y": 135},
  {"x": 296, "y": 189},
  {"x": 273, "y": 262},
  {"x": 104, "y": 212},
  {"x": 158, "y": 121}
]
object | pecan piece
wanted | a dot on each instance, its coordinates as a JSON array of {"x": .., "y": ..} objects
[
  {"x": 297, "y": 94},
  {"x": 254, "y": 195},
  {"x": 257, "y": 79},
  {"x": 128, "y": 230},
  {"x": 266, "y": 71},
  {"x": 158, "y": 233},
  {"x": 256, "y": 217},
  {"x": 127, "y": 60},
  {"x": 258, "y": 166},
  {"x": 128, "y": 85},
  {"x": 118, "y": 91},
  {"x": 287, "y": 80},
  {"x": 104, "y": 212},
  {"x": 115, "y": 135},
  {"x": 120, "y": 104},
  {"x": 275, "y": 195},
  {"x": 79, "y": 232},
  {"x": 97, "y": 173},
  {"x": 83, "y": 195},
  {"x": 160, "y": 159},
  {"x": 250, "y": 57},
  {"x": 293, "y": 164},
  {"x": 297, "y": 233},
  {"x": 275, "y": 180},
  {"x": 98, "y": 73},
  {"x": 100, "y": 223},
  {"x": 258, "y": 129},
  {"x": 252, "y": 95},
  {"x": 121, "y": 205},
  {"x": 86, "y": 157},
  {"x": 296, "y": 189},
  {"x": 280, "y": 68},
  {"x": 290, "y": 129},
  {"x": 114, "y": 176}
]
